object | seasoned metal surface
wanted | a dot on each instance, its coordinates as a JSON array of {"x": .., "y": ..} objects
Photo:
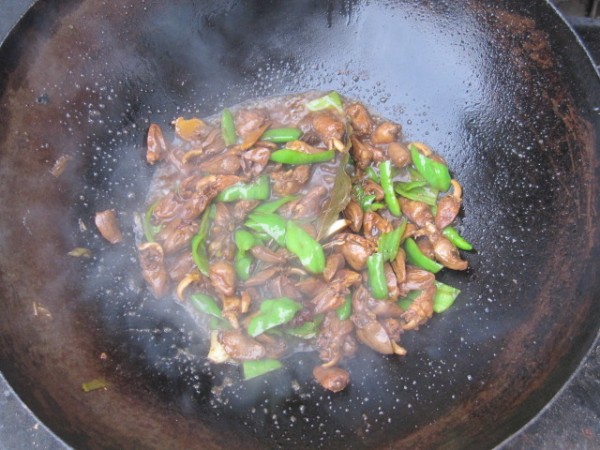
[{"x": 506, "y": 99}]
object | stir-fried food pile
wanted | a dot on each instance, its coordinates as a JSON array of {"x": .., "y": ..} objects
[{"x": 300, "y": 222}]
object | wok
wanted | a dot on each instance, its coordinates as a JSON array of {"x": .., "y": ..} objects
[{"x": 500, "y": 88}]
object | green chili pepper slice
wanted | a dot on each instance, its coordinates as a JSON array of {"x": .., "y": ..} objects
[
  {"x": 256, "y": 368},
  {"x": 150, "y": 229},
  {"x": 331, "y": 100},
  {"x": 415, "y": 256},
  {"x": 258, "y": 189},
  {"x": 406, "y": 301},
  {"x": 307, "y": 330},
  {"x": 228, "y": 128},
  {"x": 199, "y": 242},
  {"x": 414, "y": 174},
  {"x": 206, "y": 304},
  {"x": 454, "y": 237},
  {"x": 244, "y": 240},
  {"x": 288, "y": 156},
  {"x": 372, "y": 174},
  {"x": 243, "y": 265},
  {"x": 281, "y": 135},
  {"x": 444, "y": 296},
  {"x": 377, "y": 280},
  {"x": 345, "y": 311},
  {"x": 272, "y": 313},
  {"x": 307, "y": 249},
  {"x": 271, "y": 207},
  {"x": 271, "y": 224},
  {"x": 388, "y": 244},
  {"x": 434, "y": 172},
  {"x": 385, "y": 172},
  {"x": 418, "y": 191}
]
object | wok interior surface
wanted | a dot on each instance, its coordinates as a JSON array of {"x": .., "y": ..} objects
[{"x": 500, "y": 89}]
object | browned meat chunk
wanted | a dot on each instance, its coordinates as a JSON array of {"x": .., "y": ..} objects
[
  {"x": 361, "y": 153},
  {"x": 328, "y": 126},
  {"x": 222, "y": 277},
  {"x": 107, "y": 224},
  {"x": 333, "y": 379},
  {"x": 417, "y": 212},
  {"x": 249, "y": 120},
  {"x": 287, "y": 182},
  {"x": 448, "y": 208},
  {"x": 354, "y": 214},
  {"x": 334, "y": 262},
  {"x": 240, "y": 346},
  {"x": 399, "y": 154},
  {"x": 332, "y": 336},
  {"x": 360, "y": 119},
  {"x": 152, "y": 263},
  {"x": 420, "y": 310},
  {"x": 176, "y": 235},
  {"x": 385, "y": 133},
  {"x": 226, "y": 164},
  {"x": 156, "y": 146}
]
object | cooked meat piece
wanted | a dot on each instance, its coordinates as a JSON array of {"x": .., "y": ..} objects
[
  {"x": 240, "y": 346},
  {"x": 221, "y": 234},
  {"x": 360, "y": 119},
  {"x": 269, "y": 256},
  {"x": 360, "y": 152},
  {"x": 310, "y": 286},
  {"x": 374, "y": 225},
  {"x": 308, "y": 205},
  {"x": 156, "y": 146},
  {"x": 420, "y": 310},
  {"x": 371, "y": 333},
  {"x": 207, "y": 189},
  {"x": 178, "y": 266},
  {"x": 399, "y": 154},
  {"x": 447, "y": 210},
  {"x": 248, "y": 120},
  {"x": 446, "y": 253},
  {"x": 331, "y": 338},
  {"x": 399, "y": 266},
  {"x": 213, "y": 143},
  {"x": 355, "y": 249},
  {"x": 167, "y": 207},
  {"x": 393, "y": 328},
  {"x": 107, "y": 224},
  {"x": 288, "y": 182},
  {"x": 152, "y": 262},
  {"x": 392, "y": 283},
  {"x": 385, "y": 133},
  {"x": 417, "y": 212},
  {"x": 425, "y": 246},
  {"x": 416, "y": 279},
  {"x": 372, "y": 188},
  {"x": 275, "y": 347},
  {"x": 303, "y": 147},
  {"x": 354, "y": 214},
  {"x": 328, "y": 126},
  {"x": 327, "y": 300},
  {"x": 260, "y": 278},
  {"x": 255, "y": 160},
  {"x": 222, "y": 277},
  {"x": 334, "y": 262},
  {"x": 333, "y": 379},
  {"x": 227, "y": 163},
  {"x": 364, "y": 304},
  {"x": 176, "y": 235},
  {"x": 252, "y": 138},
  {"x": 282, "y": 286},
  {"x": 243, "y": 208},
  {"x": 189, "y": 129}
]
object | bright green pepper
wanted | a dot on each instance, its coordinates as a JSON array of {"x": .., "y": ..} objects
[
  {"x": 454, "y": 237},
  {"x": 228, "y": 128},
  {"x": 377, "y": 280},
  {"x": 345, "y": 311},
  {"x": 331, "y": 100},
  {"x": 372, "y": 174},
  {"x": 243, "y": 266},
  {"x": 271, "y": 207},
  {"x": 256, "y": 368},
  {"x": 415, "y": 256},
  {"x": 434, "y": 172},
  {"x": 444, "y": 296},
  {"x": 307, "y": 330},
  {"x": 150, "y": 229},
  {"x": 281, "y": 135},
  {"x": 406, "y": 301},
  {"x": 272, "y": 313},
  {"x": 307, "y": 249},
  {"x": 385, "y": 172},
  {"x": 271, "y": 224},
  {"x": 288, "y": 156},
  {"x": 199, "y": 242},
  {"x": 206, "y": 304},
  {"x": 244, "y": 240},
  {"x": 259, "y": 189},
  {"x": 389, "y": 243},
  {"x": 418, "y": 191}
]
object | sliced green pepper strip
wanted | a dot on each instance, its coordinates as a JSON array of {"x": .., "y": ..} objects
[
  {"x": 377, "y": 280},
  {"x": 418, "y": 191},
  {"x": 454, "y": 237},
  {"x": 259, "y": 189},
  {"x": 405, "y": 302},
  {"x": 372, "y": 174},
  {"x": 415, "y": 256},
  {"x": 414, "y": 174},
  {"x": 150, "y": 229},
  {"x": 345, "y": 311},
  {"x": 444, "y": 296},
  {"x": 307, "y": 330},
  {"x": 434, "y": 172},
  {"x": 385, "y": 172},
  {"x": 244, "y": 240},
  {"x": 288, "y": 156},
  {"x": 305, "y": 247},
  {"x": 228, "y": 128},
  {"x": 256, "y": 368},
  {"x": 243, "y": 266},
  {"x": 206, "y": 304},
  {"x": 331, "y": 100},
  {"x": 271, "y": 224},
  {"x": 281, "y": 135},
  {"x": 199, "y": 243},
  {"x": 271, "y": 207},
  {"x": 272, "y": 313},
  {"x": 389, "y": 243}
]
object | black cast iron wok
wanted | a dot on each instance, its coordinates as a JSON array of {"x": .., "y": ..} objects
[{"x": 500, "y": 88}]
